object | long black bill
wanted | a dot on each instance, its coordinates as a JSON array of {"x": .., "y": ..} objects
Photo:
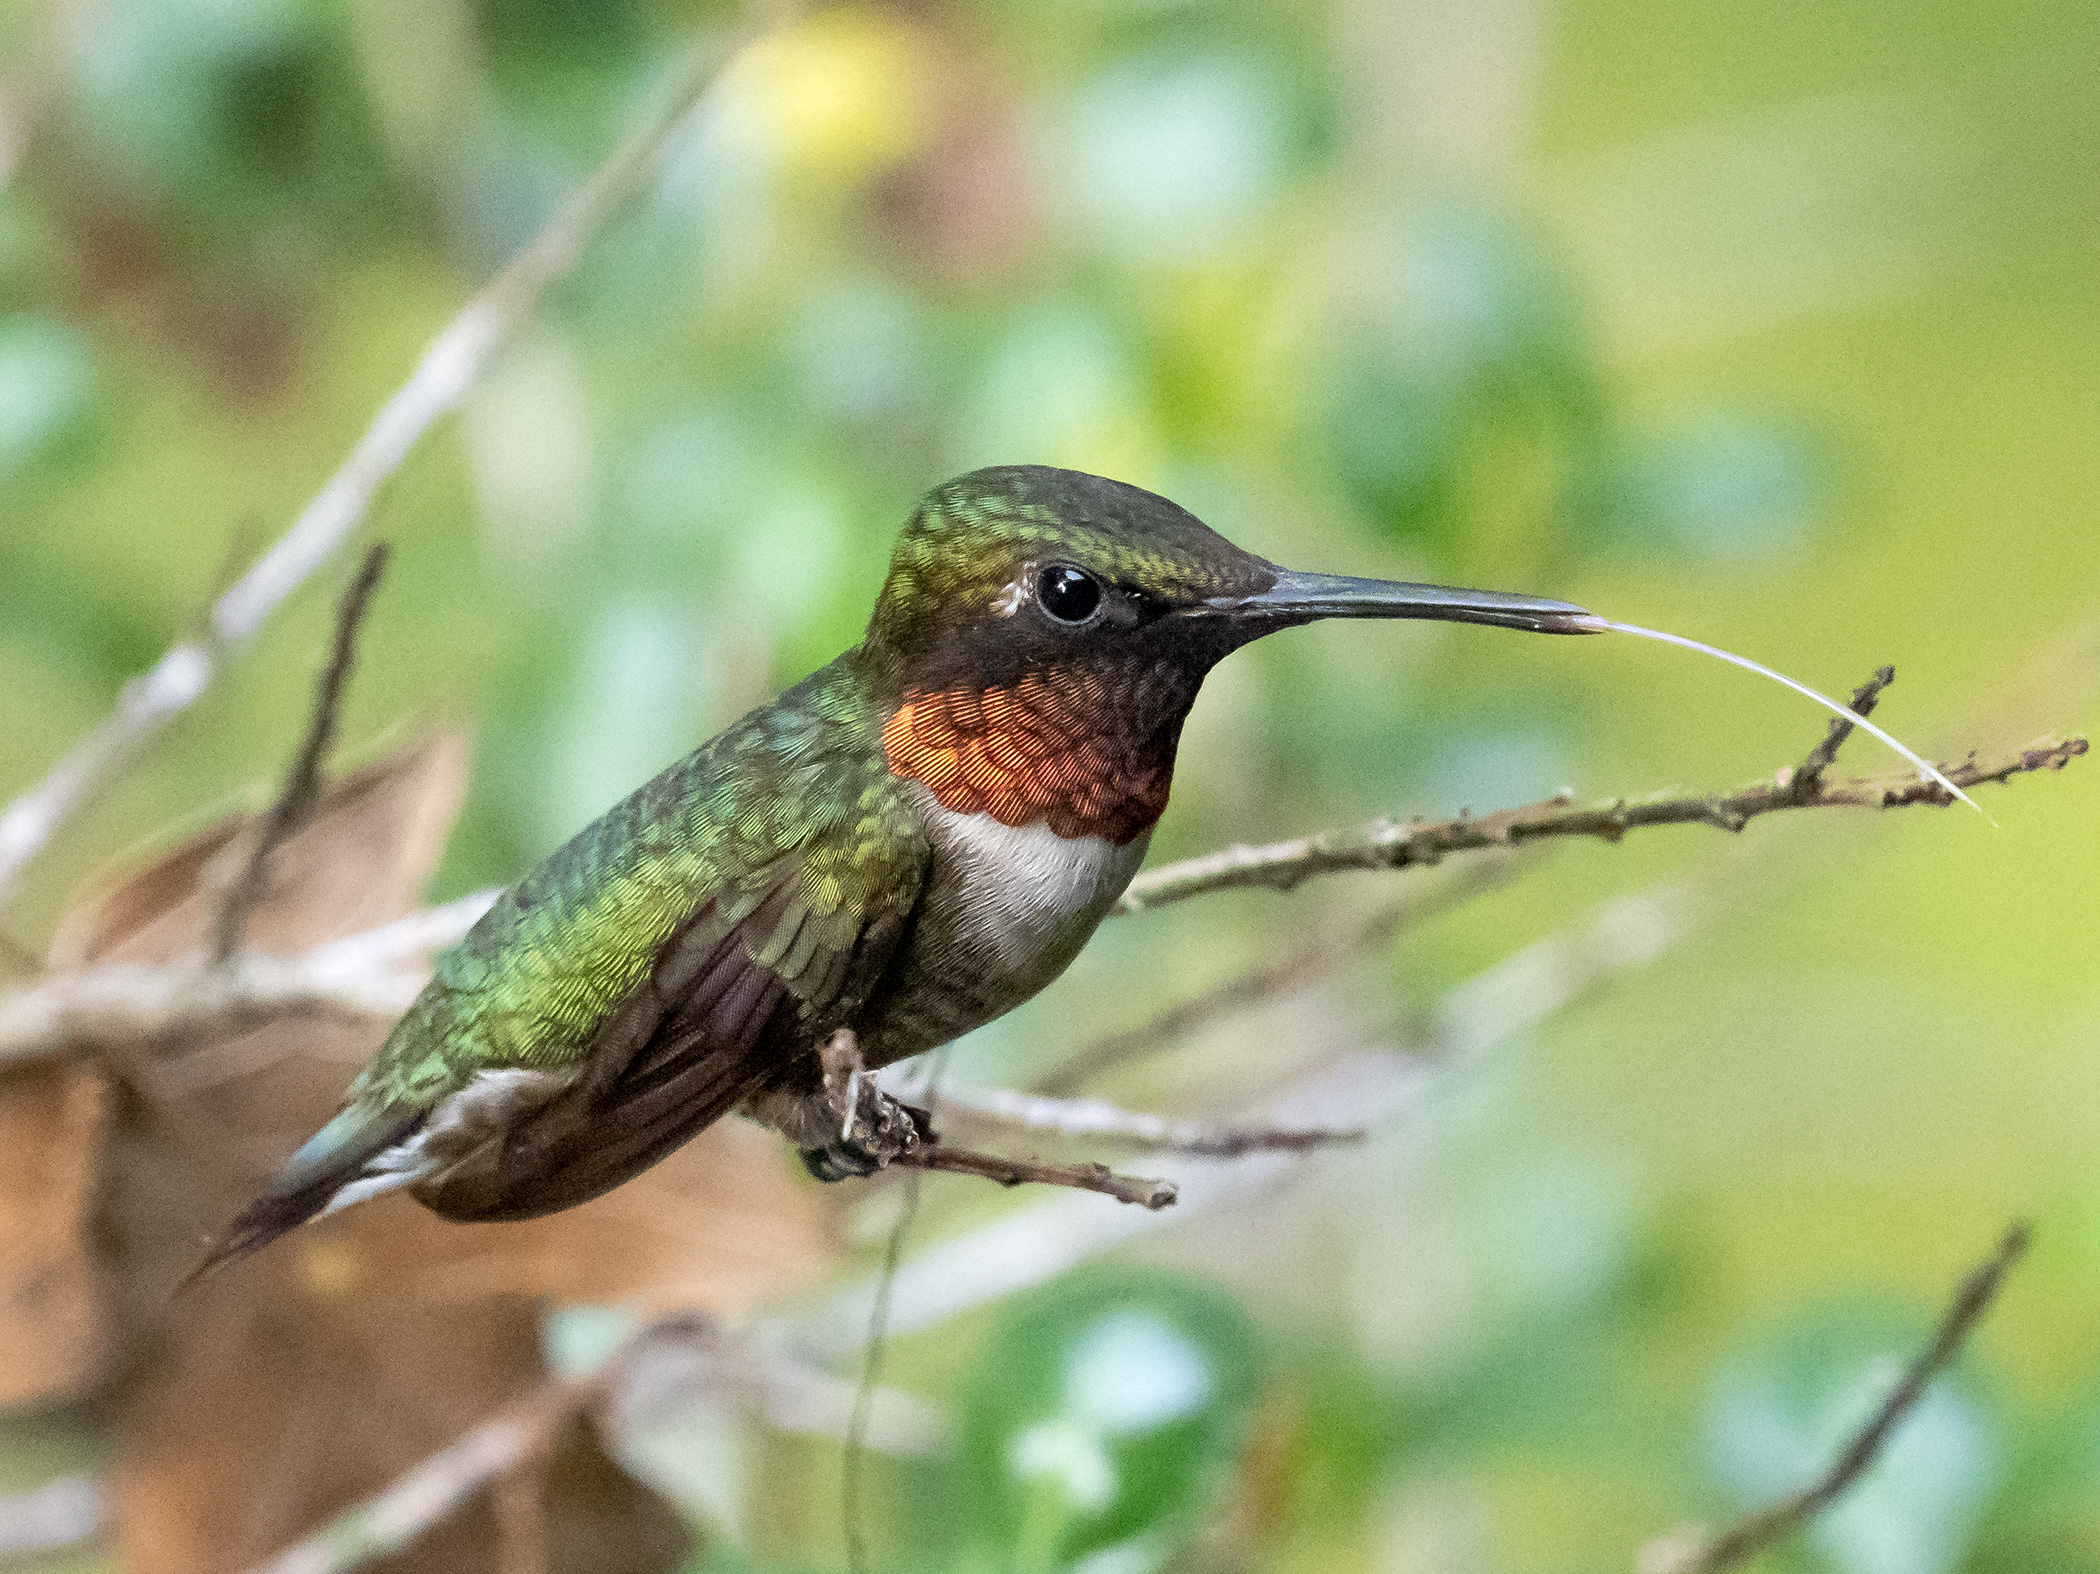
[{"x": 1306, "y": 598}]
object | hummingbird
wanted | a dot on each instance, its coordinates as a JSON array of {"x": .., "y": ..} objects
[{"x": 908, "y": 843}]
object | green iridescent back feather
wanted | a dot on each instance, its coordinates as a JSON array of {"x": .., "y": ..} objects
[{"x": 795, "y": 792}]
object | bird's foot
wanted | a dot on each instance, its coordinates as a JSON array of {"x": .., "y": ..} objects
[
  {"x": 868, "y": 1130},
  {"x": 884, "y": 1130}
]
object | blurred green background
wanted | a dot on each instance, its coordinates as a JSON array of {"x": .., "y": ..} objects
[{"x": 1777, "y": 324}]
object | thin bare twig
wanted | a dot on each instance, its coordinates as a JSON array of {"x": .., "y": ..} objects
[
  {"x": 116, "y": 1002},
  {"x": 295, "y": 801},
  {"x": 357, "y": 973},
  {"x": 1808, "y": 775},
  {"x": 450, "y": 366},
  {"x": 1383, "y": 844},
  {"x": 1264, "y": 982},
  {"x": 664, "y": 1360},
  {"x": 1145, "y": 1192},
  {"x": 1691, "y": 1553},
  {"x": 1370, "y": 1089}
]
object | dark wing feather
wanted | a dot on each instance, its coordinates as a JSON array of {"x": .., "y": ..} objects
[{"x": 728, "y": 1011}]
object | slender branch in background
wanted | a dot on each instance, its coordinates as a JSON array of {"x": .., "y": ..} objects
[
  {"x": 450, "y": 366},
  {"x": 1382, "y": 844},
  {"x": 123, "y": 1001},
  {"x": 1270, "y": 980},
  {"x": 442, "y": 1484},
  {"x": 56, "y": 1515},
  {"x": 302, "y": 783},
  {"x": 671, "y": 1353},
  {"x": 1370, "y": 1089},
  {"x": 1692, "y": 1553},
  {"x": 1097, "y": 1118},
  {"x": 361, "y": 972}
]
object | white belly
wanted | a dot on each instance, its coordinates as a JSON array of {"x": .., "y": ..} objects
[{"x": 1006, "y": 909}]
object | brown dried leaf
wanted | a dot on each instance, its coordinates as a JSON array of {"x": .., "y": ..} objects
[
  {"x": 278, "y": 1393},
  {"x": 373, "y": 844},
  {"x": 50, "y": 1327}
]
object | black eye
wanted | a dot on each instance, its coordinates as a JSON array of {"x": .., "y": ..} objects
[{"x": 1067, "y": 594}]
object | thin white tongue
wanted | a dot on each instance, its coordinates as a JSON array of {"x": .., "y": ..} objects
[{"x": 1925, "y": 767}]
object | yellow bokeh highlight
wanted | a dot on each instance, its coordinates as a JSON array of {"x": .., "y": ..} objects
[{"x": 835, "y": 100}]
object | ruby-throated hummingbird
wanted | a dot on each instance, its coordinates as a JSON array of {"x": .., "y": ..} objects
[{"x": 909, "y": 842}]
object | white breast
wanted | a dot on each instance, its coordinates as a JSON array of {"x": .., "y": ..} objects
[
  {"x": 1007, "y": 908},
  {"x": 1023, "y": 888}
]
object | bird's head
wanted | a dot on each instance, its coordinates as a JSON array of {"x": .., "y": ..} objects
[
  {"x": 1023, "y": 567},
  {"x": 1032, "y": 614}
]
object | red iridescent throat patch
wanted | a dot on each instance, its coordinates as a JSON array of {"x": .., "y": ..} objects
[{"x": 1046, "y": 749}]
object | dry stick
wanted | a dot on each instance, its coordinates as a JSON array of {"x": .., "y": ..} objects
[
  {"x": 1753, "y": 1534},
  {"x": 450, "y": 366},
  {"x": 1145, "y": 1192},
  {"x": 1382, "y": 844},
  {"x": 301, "y": 792}
]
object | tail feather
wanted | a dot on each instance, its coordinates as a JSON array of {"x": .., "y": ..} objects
[{"x": 331, "y": 1169}]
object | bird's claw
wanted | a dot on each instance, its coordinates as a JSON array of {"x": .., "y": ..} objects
[
  {"x": 875, "y": 1133},
  {"x": 873, "y": 1129}
]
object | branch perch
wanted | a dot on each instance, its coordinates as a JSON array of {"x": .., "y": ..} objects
[
  {"x": 1385, "y": 844},
  {"x": 881, "y": 1131},
  {"x": 1146, "y": 1193},
  {"x": 1691, "y": 1553}
]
